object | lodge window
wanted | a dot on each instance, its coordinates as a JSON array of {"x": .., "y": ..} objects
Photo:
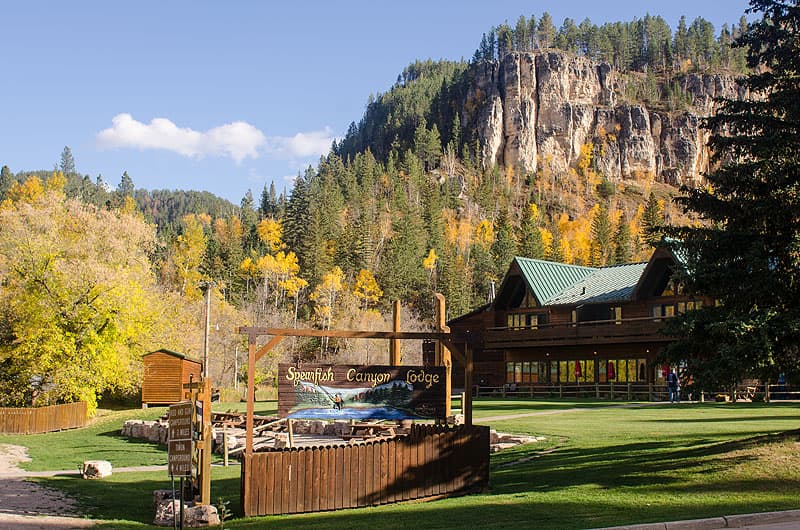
[
  {"x": 659, "y": 311},
  {"x": 527, "y": 372},
  {"x": 673, "y": 288},
  {"x": 693, "y": 305},
  {"x": 525, "y": 320},
  {"x": 622, "y": 370}
]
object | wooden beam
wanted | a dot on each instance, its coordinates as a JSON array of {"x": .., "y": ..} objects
[
  {"x": 348, "y": 334},
  {"x": 268, "y": 346},
  {"x": 456, "y": 349},
  {"x": 394, "y": 344}
]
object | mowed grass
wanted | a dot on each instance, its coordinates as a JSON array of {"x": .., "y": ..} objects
[
  {"x": 101, "y": 440},
  {"x": 599, "y": 466}
]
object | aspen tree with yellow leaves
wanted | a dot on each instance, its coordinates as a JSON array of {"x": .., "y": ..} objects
[
  {"x": 80, "y": 300},
  {"x": 366, "y": 289}
]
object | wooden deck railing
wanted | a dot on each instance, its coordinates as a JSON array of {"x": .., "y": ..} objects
[
  {"x": 431, "y": 461},
  {"x": 645, "y": 328},
  {"x": 43, "y": 419},
  {"x": 624, "y": 391}
]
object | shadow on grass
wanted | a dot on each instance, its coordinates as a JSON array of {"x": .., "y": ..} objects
[
  {"x": 536, "y": 493},
  {"x": 628, "y": 465}
]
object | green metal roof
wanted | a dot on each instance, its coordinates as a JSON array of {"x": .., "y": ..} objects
[
  {"x": 546, "y": 278},
  {"x": 603, "y": 285}
]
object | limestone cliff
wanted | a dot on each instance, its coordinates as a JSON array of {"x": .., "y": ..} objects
[{"x": 540, "y": 108}]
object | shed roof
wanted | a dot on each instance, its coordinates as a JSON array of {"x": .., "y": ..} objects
[{"x": 172, "y": 353}]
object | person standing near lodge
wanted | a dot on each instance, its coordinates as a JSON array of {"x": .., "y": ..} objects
[{"x": 674, "y": 387}]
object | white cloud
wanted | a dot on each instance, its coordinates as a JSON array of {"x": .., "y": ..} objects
[
  {"x": 237, "y": 140},
  {"x": 302, "y": 145}
]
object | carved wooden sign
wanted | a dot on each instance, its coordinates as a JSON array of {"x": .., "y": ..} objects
[
  {"x": 317, "y": 391},
  {"x": 179, "y": 445}
]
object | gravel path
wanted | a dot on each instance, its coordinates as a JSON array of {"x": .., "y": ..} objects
[{"x": 26, "y": 505}]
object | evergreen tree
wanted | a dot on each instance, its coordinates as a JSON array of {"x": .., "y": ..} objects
[
  {"x": 6, "y": 181},
  {"x": 297, "y": 220},
  {"x": 681, "y": 44},
  {"x": 622, "y": 240},
  {"x": 126, "y": 187},
  {"x": 504, "y": 247},
  {"x": 531, "y": 244},
  {"x": 600, "y": 247},
  {"x": 269, "y": 202},
  {"x": 249, "y": 218},
  {"x": 748, "y": 255},
  {"x": 546, "y": 31},
  {"x": 67, "y": 163},
  {"x": 652, "y": 222},
  {"x": 401, "y": 272}
]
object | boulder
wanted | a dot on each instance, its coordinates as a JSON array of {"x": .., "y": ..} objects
[
  {"x": 92, "y": 469},
  {"x": 193, "y": 516}
]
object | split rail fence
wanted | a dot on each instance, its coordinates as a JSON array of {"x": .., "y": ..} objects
[
  {"x": 431, "y": 461},
  {"x": 43, "y": 419}
]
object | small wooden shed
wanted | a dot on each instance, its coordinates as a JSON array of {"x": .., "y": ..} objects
[{"x": 165, "y": 372}]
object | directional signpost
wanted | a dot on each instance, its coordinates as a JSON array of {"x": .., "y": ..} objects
[
  {"x": 179, "y": 445},
  {"x": 180, "y": 439}
]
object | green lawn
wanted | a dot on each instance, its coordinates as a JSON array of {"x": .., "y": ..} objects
[
  {"x": 101, "y": 440},
  {"x": 600, "y": 466}
]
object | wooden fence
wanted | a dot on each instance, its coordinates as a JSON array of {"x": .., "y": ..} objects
[
  {"x": 43, "y": 419},
  {"x": 431, "y": 461}
]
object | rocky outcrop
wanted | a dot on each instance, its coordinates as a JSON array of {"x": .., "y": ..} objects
[{"x": 542, "y": 108}]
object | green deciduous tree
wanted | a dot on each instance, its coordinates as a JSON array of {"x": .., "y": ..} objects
[{"x": 79, "y": 302}]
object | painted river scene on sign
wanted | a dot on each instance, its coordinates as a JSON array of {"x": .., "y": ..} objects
[{"x": 314, "y": 391}]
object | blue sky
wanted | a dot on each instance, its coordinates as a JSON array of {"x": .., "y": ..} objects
[{"x": 227, "y": 96}]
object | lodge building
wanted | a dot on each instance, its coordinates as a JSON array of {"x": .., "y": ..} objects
[{"x": 558, "y": 324}]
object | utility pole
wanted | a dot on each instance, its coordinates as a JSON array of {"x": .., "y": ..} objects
[{"x": 207, "y": 293}]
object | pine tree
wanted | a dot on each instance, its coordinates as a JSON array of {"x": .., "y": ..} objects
[
  {"x": 652, "y": 221},
  {"x": 623, "y": 252},
  {"x": 504, "y": 247},
  {"x": 546, "y": 32},
  {"x": 600, "y": 247},
  {"x": 67, "y": 163},
  {"x": 126, "y": 187},
  {"x": 269, "y": 202},
  {"x": 531, "y": 244},
  {"x": 297, "y": 221},
  {"x": 747, "y": 256},
  {"x": 6, "y": 181}
]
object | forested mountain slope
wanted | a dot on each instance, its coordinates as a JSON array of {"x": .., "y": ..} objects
[{"x": 563, "y": 144}]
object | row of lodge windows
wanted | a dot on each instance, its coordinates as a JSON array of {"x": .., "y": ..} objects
[
  {"x": 670, "y": 310},
  {"x": 516, "y": 321},
  {"x": 525, "y": 320},
  {"x": 579, "y": 371}
]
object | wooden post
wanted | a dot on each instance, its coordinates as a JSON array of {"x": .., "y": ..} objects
[
  {"x": 251, "y": 384},
  {"x": 467, "y": 405},
  {"x": 225, "y": 445},
  {"x": 205, "y": 449},
  {"x": 394, "y": 344},
  {"x": 443, "y": 356},
  {"x": 290, "y": 430}
]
